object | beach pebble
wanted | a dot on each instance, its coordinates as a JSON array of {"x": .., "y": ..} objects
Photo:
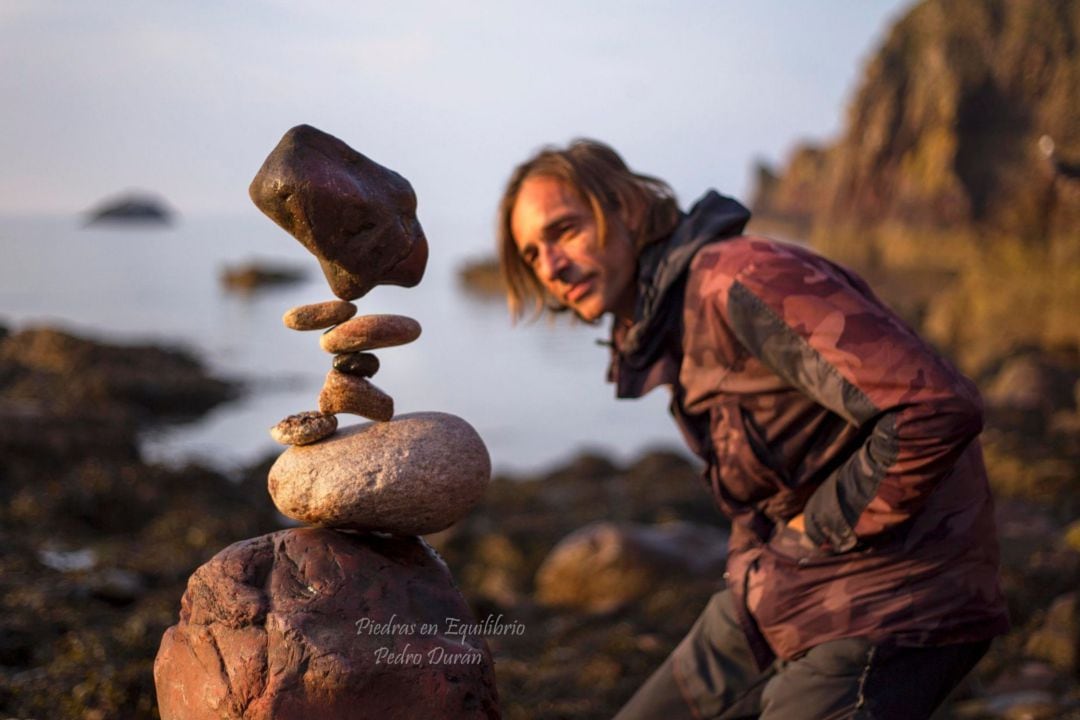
[
  {"x": 357, "y": 363},
  {"x": 369, "y": 332},
  {"x": 343, "y": 393},
  {"x": 304, "y": 428},
  {"x": 417, "y": 474},
  {"x": 318, "y": 316}
]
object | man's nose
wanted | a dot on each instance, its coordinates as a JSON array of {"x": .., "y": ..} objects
[{"x": 553, "y": 262}]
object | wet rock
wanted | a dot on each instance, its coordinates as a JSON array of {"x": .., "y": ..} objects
[
  {"x": 1057, "y": 640},
  {"x": 1035, "y": 710},
  {"x": 343, "y": 393},
  {"x": 318, "y": 316},
  {"x": 357, "y": 217},
  {"x": 370, "y": 332},
  {"x": 77, "y": 373},
  {"x": 603, "y": 566},
  {"x": 1072, "y": 536},
  {"x": 17, "y": 647},
  {"x": 304, "y": 428},
  {"x": 1024, "y": 705},
  {"x": 1037, "y": 563},
  {"x": 80, "y": 643},
  {"x": 116, "y": 586},
  {"x": 1031, "y": 382},
  {"x": 360, "y": 364},
  {"x": 498, "y": 570},
  {"x": 482, "y": 278},
  {"x": 37, "y": 429},
  {"x": 417, "y": 474},
  {"x": 1029, "y": 675},
  {"x": 309, "y": 623}
]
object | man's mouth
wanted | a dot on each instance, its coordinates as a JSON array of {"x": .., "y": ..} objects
[{"x": 579, "y": 290}]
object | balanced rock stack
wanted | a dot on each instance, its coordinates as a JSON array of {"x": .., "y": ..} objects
[
  {"x": 347, "y": 388},
  {"x": 353, "y": 618}
]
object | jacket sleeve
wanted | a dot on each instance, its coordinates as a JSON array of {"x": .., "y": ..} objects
[{"x": 825, "y": 333}]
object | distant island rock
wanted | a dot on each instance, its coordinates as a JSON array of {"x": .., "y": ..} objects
[
  {"x": 482, "y": 278},
  {"x": 131, "y": 207},
  {"x": 257, "y": 275}
]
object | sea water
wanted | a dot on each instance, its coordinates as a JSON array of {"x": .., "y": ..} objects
[{"x": 534, "y": 392}]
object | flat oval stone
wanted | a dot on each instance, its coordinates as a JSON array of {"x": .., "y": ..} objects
[
  {"x": 357, "y": 363},
  {"x": 343, "y": 393},
  {"x": 417, "y": 474},
  {"x": 304, "y": 428},
  {"x": 369, "y": 332},
  {"x": 318, "y": 316}
]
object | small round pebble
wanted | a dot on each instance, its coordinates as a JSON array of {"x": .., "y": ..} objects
[
  {"x": 369, "y": 332},
  {"x": 343, "y": 393},
  {"x": 318, "y": 315},
  {"x": 304, "y": 428},
  {"x": 357, "y": 363}
]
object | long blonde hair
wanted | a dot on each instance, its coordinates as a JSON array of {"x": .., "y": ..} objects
[{"x": 603, "y": 182}]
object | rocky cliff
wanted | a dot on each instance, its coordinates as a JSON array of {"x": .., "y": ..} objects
[{"x": 960, "y": 162}]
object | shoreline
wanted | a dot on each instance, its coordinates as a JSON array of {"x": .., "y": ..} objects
[{"x": 99, "y": 543}]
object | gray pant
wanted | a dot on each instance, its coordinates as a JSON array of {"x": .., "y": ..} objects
[{"x": 712, "y": 675}]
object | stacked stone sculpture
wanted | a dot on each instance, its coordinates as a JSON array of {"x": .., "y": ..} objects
[{"x": 274, "y": 626}]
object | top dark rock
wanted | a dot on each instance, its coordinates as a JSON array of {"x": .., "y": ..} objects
[{"x": 357, "y": 217}]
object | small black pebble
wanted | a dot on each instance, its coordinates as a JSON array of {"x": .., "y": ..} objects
[{"x": 357, "y": 363}]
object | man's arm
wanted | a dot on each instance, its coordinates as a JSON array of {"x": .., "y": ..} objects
[{"x": 811, "y": 324}]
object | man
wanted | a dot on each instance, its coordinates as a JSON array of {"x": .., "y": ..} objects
[{"x": 862, "y": 577}]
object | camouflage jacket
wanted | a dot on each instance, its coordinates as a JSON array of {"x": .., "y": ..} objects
[{"x": 804, "y": 393}]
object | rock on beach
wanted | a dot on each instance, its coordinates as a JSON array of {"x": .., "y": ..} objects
[
  {"x": 313, "y": 623},
  {"x": 343, "y": 393},
  {"x": 604, "y": 566},
  {"x": 369, "y": 332},
  {"x": 417, "y": 474},
  {"x": 318, "y": 316}
]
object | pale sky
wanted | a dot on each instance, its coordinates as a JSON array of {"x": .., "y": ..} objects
[{"x": 187, "y": 98}]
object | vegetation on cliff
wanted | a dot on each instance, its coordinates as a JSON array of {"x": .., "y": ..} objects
[{"x": 957, "y": 164}]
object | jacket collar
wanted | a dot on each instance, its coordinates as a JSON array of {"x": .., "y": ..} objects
[{"x": 661, "y": 274}]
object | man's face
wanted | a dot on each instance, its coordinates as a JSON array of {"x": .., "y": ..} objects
[{"x": 557, "y": 236}]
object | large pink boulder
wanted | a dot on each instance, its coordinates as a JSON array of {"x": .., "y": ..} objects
[{"x": 316, "y": 623}]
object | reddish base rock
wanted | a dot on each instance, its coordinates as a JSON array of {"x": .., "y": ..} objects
[{"x": 315, "y": 623}]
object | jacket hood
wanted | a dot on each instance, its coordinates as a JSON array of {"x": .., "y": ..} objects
[{"x": 662, "y": 269}]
